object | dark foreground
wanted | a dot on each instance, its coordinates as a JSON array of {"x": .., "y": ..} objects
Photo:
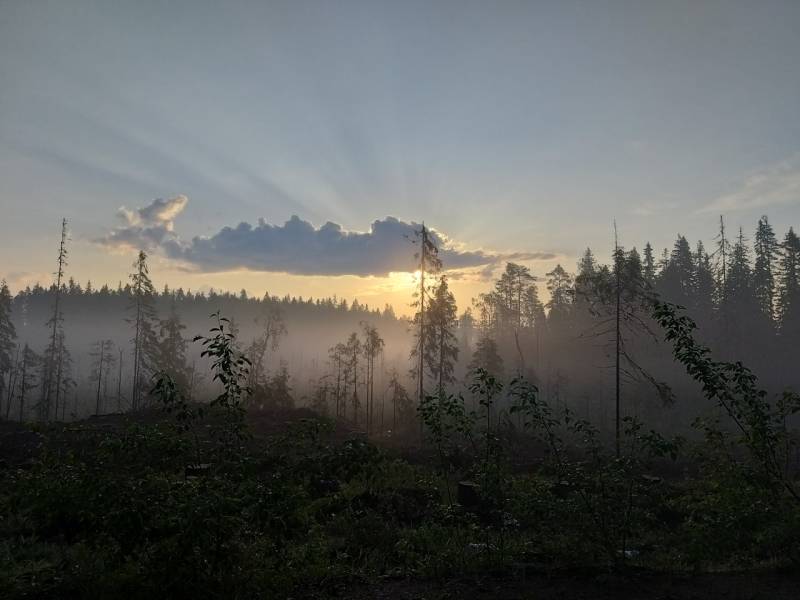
[
  {"x": 587, "y": 586},
  {"x": 285, "y": 505}
]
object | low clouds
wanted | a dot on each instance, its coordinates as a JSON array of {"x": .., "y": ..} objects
[
  {"x": 777, "y": 184},
  {"x": 147, "y": 227},
  {"x": 296, "y": 247}
]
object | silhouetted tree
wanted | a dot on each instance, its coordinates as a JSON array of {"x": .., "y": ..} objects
[
  {"x": 487, "y": 357},
  {"x": 789, "y": 288},
  {"x": 103, "y": 360},
  {"x": 352, "y": 352},
  {"x": 143, "y": 321},
  {"x": 54, "y": 352},
  {"x": 28, "y": 379},
  {"x": 170, "y": 350},
  {"x": 8, "y": 335},
  {"x": 441, "y": 345},
  {"x": 766, "y": 254},
  {"x": 372, "y": 347}
]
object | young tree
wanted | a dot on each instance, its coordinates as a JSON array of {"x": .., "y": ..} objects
[{"x": 143, "y": 320}]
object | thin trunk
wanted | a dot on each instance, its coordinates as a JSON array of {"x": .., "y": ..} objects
[
  {"x": 48, "y": 383},
  {"x": 119, "y": 384},
  {"x": 23, "y": 384},
  {"x": 12, "y": 384},
  {"x": 618, "y": 293},
  {"x": 421, "y": 392},
  {"x": 99, "y": 377},
  {"x": 58, "y": 378}
]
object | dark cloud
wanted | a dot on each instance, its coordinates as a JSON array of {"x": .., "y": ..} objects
[{"x": 297, "y": 246}]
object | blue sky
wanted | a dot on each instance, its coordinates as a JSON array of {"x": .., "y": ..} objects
[{"x": 509, "y": 126}]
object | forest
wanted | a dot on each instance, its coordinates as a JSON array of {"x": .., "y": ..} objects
[{"x": 637, "y": 423}]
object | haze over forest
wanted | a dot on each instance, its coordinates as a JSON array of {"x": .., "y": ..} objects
[{"x": 399, "y": 299}]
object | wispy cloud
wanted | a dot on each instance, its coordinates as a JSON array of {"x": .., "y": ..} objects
[
  {"x": 770, "y": 186},
  {"x": 295, "y": 247}
]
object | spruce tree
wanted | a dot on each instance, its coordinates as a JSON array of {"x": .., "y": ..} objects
[
  {"x": 789, "y": 288},
  {"x": 143, "y": 319},
  {"x": 766, "y": 254},
  {"x": 649, "y": 265},
  {"x": 441, "y": 346}
]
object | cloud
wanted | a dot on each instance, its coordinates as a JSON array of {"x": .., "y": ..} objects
[
  {"x": 148, "y": 227},
  {"x": 777, "y": 184},
  {"x": 297, "y": 246}
]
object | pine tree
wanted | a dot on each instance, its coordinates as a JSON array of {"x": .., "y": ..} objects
[
  {"x": 143, "y": 320},
  {"x": 560, "y": 286},
  {"x": 766, "y": 255}
]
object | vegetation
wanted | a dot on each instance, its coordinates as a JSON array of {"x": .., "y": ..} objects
[{"x": 494, "y": 466}]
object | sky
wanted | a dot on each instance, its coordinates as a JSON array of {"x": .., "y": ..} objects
[{"x": 294, "y": 147}]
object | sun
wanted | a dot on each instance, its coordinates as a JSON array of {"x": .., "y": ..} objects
[{"x": 403, "y": 280}]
